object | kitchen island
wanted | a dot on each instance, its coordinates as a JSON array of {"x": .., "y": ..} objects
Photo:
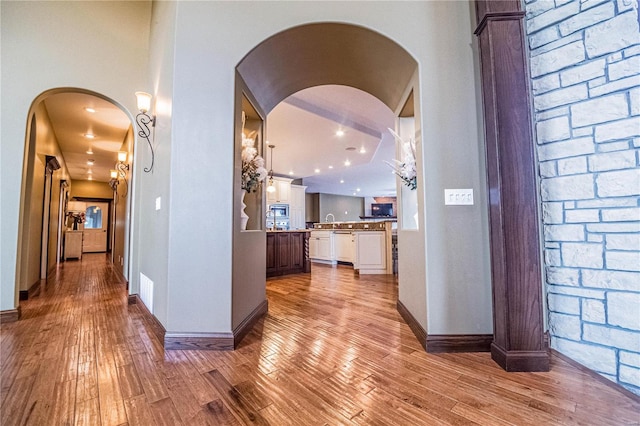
[
  {"x": 365, "y": 245},
  {"x": 288, "y": 252}
]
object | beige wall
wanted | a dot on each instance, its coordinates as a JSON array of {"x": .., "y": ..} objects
[
  {"x": 121, "y": 219},
  {"x": 343, "y": 207},
  {"x": 43, "y": 142},
  {"x": 90, "y": 189}
]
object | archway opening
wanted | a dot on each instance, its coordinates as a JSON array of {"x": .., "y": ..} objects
[
  {"x": 289, "y": 62},
  {"x": 74, "y": 135}
]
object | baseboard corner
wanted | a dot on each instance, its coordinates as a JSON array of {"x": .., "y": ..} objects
[
  {"x": 10, "y": 315},
  {"x": 247, "y": 324},
  {"x": 413, "y": 324}
]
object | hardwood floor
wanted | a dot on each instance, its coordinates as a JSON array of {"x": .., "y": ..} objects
[{"x": 332, "y": 350}]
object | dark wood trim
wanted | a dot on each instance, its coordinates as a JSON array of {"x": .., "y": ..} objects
[
  {"x": 413, "y": 324},
  {"x": 204, "y": 342},
  {"x": 31, "y": 292},
  {"x": 120, "y": 275},
  {"x": 520, "y": 361},
  {"x": 247, "y": 324},
  {"x": 497, "y": 16},
  {"x": 598, "y": 377},
  {"x": 10, "y": 315},
  {"x": 156, "y": 326},
  {"x": 518, "y": 336},
  {"x": 441, "y": 343}
]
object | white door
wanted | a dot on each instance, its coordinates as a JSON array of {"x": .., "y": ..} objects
[{"x": 95, "y": 227}]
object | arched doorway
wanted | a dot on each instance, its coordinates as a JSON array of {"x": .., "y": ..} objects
[
  {"x": 296, "y": 59},
  {"x": 75, "y": 134}
]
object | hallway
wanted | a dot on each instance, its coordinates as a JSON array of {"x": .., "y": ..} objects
[{"x": 332, "y": 350}]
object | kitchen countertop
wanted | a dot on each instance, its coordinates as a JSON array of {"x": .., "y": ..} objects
[
  {"x": 351, "y": 226},
  {"x": 288, "y": 230}
]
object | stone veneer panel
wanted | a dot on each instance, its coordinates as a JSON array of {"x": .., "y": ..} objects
[{"x": 585, "y": 70}]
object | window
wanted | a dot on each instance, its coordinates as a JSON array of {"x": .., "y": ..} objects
[{"x": 93, "y": 218}]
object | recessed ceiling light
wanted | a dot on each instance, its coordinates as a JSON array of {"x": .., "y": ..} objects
[
  {"x": 341, "y": 180},
  {"x": 358, "y": 189},
  {"x": 89, "y": 172},
  {"x": 354, "y": 193},
  {"x": 90, "y": 151},
  {"x": 89, "y": 178},
  {"x": 317, "y": 170},
  {"x": 331, "y": 167},
  {"x": 362, "y": 150},
  {"x": 90, "y": 162},
  {"x": 291, "y": 173},
  {"x": 89, "y": 109},
  {"x": 347, "y": 163},
  {"x": 89, "y": 135},
  {"x": 340, "y": 133}
]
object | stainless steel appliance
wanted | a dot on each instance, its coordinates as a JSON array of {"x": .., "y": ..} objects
[{"x": 278, "y": 217}]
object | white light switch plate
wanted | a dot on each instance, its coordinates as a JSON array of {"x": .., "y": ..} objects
[
  {"x": 158, "y": 202},
  {"x": 458, "y": 197}
]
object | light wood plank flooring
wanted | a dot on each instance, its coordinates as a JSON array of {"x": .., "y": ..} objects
[{"x": 332, "y": 350}]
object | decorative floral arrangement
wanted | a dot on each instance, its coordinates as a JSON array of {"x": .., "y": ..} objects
[
  {"x": 78, "y": 217},
  {"x": 406, "y": 169},
  {"x": 253, "y": 170}
]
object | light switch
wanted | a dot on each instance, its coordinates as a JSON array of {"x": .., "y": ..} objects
[
  {"x": 459, "y": 197},
  {"x": 158, "y": 203}
]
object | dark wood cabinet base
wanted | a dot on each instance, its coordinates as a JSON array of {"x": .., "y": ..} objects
[{"x": 287, "y": 253}]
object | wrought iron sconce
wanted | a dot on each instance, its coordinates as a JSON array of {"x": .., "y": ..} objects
[
  {"x": 144, "y": 120},
  {"x": 120, "y": 172}
]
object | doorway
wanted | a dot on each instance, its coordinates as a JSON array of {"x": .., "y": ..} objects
[
  {"x": 75, "y": 135},
  {"x": 321, "y": 54},
  {"x": 96, "y": 227}
]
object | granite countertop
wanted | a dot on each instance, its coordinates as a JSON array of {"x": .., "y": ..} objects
[
  {"x": 289, "y": 230},
  {"x": 350, "y": 226}
]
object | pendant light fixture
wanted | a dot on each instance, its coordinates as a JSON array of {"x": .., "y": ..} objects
[{"x": 271, "y": 187}]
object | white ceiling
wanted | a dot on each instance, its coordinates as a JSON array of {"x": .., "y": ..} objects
[
  {"x": 303, "y": 129},
  {"x": 71, "y": 122}
]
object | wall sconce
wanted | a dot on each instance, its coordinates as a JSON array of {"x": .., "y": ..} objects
[
  {"x": 120, "y": 172},
  {"x": 113, "y": 183},
  {"x": 143, "y": 120}
]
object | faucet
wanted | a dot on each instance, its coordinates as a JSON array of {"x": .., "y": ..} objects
[{"x": 333, "y": 219}]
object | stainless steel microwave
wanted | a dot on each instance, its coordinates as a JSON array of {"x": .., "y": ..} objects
[{"x": 280, "y": 210}]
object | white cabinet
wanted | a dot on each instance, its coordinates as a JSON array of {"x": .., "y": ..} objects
[
  {"x": 282, "y": 194},
  {"x": 371, "y": 252},
  {"x": 344, "y": 243},
  {"x": 297, "y": 207},
  {"x": 73, "y": 244},
  {"x": 321, "y": 246}
]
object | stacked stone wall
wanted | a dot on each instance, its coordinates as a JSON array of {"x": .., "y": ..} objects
[{"x": 585, "y": 75}]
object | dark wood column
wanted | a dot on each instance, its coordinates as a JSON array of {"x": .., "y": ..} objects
[{"x": 518, "y": 336}]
